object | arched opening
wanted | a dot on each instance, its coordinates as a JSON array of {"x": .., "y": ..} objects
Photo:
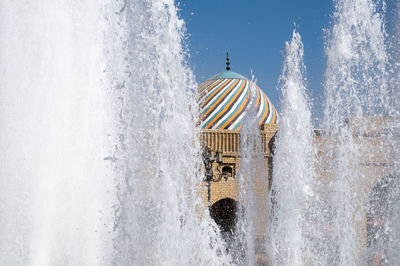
[
  {"x": 383, "y": 228},
  {"x": 271, "y": 144},
  {"x": 224, "y": 214},
  {"x": 227, "y": 172},
  {"x": 271, "y": 147}
]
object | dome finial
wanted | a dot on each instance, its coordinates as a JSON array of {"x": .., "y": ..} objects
[{"x": 227, "y": 62}]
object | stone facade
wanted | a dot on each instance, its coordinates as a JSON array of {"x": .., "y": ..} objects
[
  {"x": 227, "y": 142},
  {"x": 375, "y": 165}
]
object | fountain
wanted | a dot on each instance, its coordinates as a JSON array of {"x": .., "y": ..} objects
[
  {"x": 99, "y": 148},
  {"x": 56, "y": 189},
  {"x": 356, "y": 92},
  {"x": 101, "y": 157},
  {"x": 251, "y": 177},
  {"x": 293, "y": 178},
  {"x": 159, "y": 216},
  {"x": 356, "y": 148}
]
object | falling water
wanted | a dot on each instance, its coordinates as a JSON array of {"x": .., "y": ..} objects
[
  {"x": 56, "y": 189},
  {"x": 383, "y": 205},
  {"x": 100, "y": 157},
  {"x": 160, "y": 218},
  {"x": 98, "y": 144},
  {"x": 292, "y": 189},
  {"x": 251, "y": 185},
  {"x": 355, "y": 89},
  {"x": 319, "y": 220}
]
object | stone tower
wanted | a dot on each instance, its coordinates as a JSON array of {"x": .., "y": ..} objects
[{"x": 223, "y": 101}]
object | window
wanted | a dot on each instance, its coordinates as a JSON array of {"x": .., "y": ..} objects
[{"x": 227, "y": 172}]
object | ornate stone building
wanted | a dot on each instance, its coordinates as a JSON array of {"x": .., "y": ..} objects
[{"x": 224, "y": 100}]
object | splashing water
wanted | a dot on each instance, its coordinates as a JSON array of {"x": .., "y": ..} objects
[
  {"x": 100, "y": 153},
  {"x": 356, "y": 89},
  {"x": 56, "y": 189},
  {"x": 101, "y": 160},
  {"x": 293, "y": 175},
  {"x": 161, "y": 219},
  {"x": 356, "y": 148},
  {"x": 251, "y": 186},
  {"x": 383, "y": 238}
]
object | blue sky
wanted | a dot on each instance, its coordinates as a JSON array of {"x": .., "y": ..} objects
[{"x": 254, "y": 33}]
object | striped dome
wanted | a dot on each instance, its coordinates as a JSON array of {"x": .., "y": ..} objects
[{"x": 223, "y": 100}]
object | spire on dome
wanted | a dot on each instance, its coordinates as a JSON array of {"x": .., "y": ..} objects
[{"x": 227, "y": 62}]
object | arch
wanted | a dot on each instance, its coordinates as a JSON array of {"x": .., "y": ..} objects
[
  {"x": 382, "y": 209},
  {"x": 270, "y": 158},
  {"x": 224, "y": 214},
  {"x": 271, "y": 144},
  {"x": 227, "y": 172},
  {"x": 227, "y": 169}
]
